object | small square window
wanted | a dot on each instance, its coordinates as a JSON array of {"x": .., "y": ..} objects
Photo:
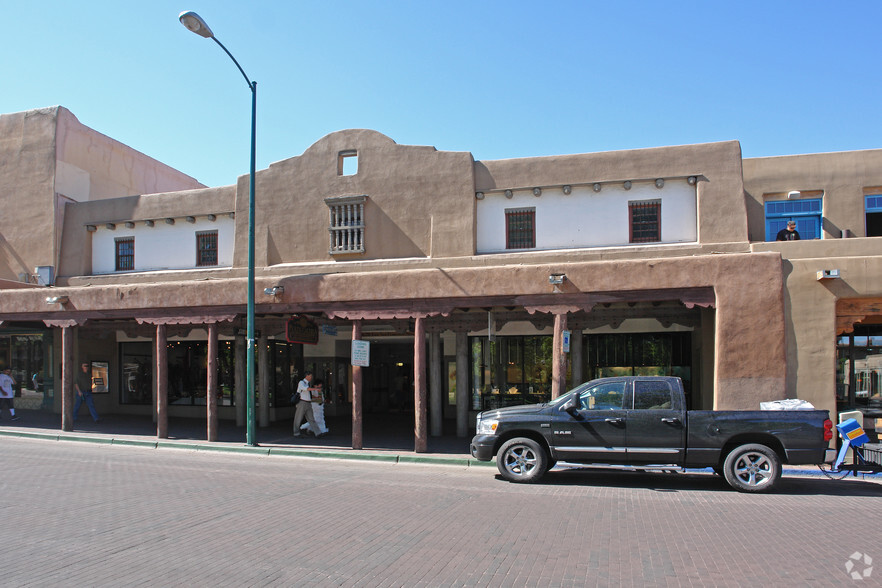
[
  {"x": 125, "y": 253},
  {"x": 645, "y": 221},
  {"x": 347, "y": 163},
  {"x": 206, "y": 248},
  {"x": 520, "y": 228}
]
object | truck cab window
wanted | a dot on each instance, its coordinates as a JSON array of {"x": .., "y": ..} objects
[
  {"x": 652, "y": 395},
  {"x": 606, "y": 396}
]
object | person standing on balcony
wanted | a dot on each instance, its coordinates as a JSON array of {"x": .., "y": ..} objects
[{"x": 788, "y": 234}]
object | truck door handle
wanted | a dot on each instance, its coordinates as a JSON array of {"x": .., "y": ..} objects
[
  {"x": 671, "y": 421},
  {"x": 617, "y": 421}
]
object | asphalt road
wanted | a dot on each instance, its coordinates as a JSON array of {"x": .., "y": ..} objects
[{"x": 79, "y": 514}]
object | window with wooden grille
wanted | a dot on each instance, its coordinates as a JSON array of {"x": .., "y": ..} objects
[
  {"x": 346, "y": 228},
  {"x": 206, "y": 248},
  {"x": 125, "y": 253},
  {"x": 520, "y": 228},
  {"x": 645, "y": 221}
]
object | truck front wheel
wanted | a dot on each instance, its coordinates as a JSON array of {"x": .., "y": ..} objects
[
  {"x": 522, "y": 460},
  {"x": 752, "y": 468}
]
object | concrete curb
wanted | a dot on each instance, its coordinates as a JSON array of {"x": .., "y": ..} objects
[{"x": 260, "y": 450}]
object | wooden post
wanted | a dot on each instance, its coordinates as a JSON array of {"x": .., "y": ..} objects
[
  {"x": 576, "y": 357},
  {"x": 559, "y": 358},
  {"x": 357, "y": 441},
  {"x": 211, "y": 383},
  {"x": 436, "y": 385},
  {"x": 462, "y": 384},
  {"x": 161, "y": 382},
  {"x": 419, "y": 385},
  {"x": 67, "y": 376}
]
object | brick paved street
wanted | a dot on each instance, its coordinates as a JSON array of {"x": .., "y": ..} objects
[{"x": 79, "y": 514}]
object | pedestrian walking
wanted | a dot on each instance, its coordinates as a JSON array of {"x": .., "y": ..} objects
[
  {"x": 304, "y": 407},
  {"x": 83, "y": 388},
  {"x": 7, "y": 393},
  {"x": 318, "y": 407}
]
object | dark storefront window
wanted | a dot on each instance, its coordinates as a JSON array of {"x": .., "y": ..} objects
[
  {"x": 859, "y": 369},
  {"x": 137, "y": 373},
  {"x": 27, "y": 355},
  {"x": 187, "y": 373},
  {"x": 640, "y": 354},
  {"x": 510, "y": 370},
  {"x": 287, "y": 370}
]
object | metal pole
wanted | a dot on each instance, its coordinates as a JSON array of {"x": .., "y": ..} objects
[{"x": 250, "y": 432}]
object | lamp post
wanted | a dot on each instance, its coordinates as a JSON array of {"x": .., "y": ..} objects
[{"x": 194, "y": 23}]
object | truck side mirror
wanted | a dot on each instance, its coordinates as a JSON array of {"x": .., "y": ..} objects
[{"x": 572, "y": 405}]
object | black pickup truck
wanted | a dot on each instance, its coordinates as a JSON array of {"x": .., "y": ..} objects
[{"x": 643, "y": 421}]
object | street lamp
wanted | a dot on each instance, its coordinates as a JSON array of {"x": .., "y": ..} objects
[{"x": 194, "y": 23}]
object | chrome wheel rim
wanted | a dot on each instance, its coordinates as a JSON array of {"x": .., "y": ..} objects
[
  {"x": 520, "y": 460},
  {"x": 754, "y": 469}
]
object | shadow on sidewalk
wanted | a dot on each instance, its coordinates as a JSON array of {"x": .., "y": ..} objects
[{"x": 380, "y": 432}]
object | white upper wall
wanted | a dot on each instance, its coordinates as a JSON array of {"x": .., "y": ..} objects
[
  {"x": 586, "y": 218},
  {"x": 162, "y": 246}
]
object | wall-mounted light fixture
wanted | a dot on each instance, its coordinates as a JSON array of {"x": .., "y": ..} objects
[
  {"x": 110, "y": 226},
  {"x": 479, "y": 195},
  {"x": 148, "y": 223},
  {"x": 130, "y": 225},
  {"x": 537, "y": 192},
  {"x": 556, "y": 280},
  {"x": 691, "y": 180},
  {"x": 91, "y": 228},
  {"x": 57, "y": 299},
  {"x": 169, "y": 221},
  {"x": 211, "y": 217},
  {"x": 191, "y": 219},
  {"x": 627, "y": 184},
  {"x": 597, "y": 186},
  {"x": 274, "y": 291},
  {"x": 508, "y": 194},
  {"x": 660, "y": 183},
  {"x": 567, "y": 190},
  {"x": 793, "y": 194}
]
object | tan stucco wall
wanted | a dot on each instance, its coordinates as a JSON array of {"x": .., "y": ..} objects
[
  {"x": 44, "y": 152},
  {"x": 27, "y": 175},
  {"x": 112, "y": 168},
  {"x": 842, "y": 177},
  {"x": 721, "y": 212},
  {"x": 420, "y": 202},
  {"x": 810, "y": 307}
]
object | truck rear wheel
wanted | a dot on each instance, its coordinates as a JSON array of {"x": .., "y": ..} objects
[
  {"x": 752, "y": 468},
  {"x": 522, "y": 460}
]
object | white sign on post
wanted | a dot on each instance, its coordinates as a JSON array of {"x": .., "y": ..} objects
[{"x": 361, "y": 353}]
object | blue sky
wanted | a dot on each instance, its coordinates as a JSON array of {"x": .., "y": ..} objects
[{"x": 498, "y": 79}]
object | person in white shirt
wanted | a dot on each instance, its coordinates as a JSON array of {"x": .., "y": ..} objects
[
  {"x": 318, "y": 407},
  {"x": 7, "y": 393},
  {"x": 304, "y": 407}
]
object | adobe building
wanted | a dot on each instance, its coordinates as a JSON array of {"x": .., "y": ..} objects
[{"x": 477, "y": 283}]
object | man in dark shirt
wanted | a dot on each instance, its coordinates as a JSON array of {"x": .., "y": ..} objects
[
  {"x": 788, "y": 234},
  {"x": 83, "y": 389}
]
